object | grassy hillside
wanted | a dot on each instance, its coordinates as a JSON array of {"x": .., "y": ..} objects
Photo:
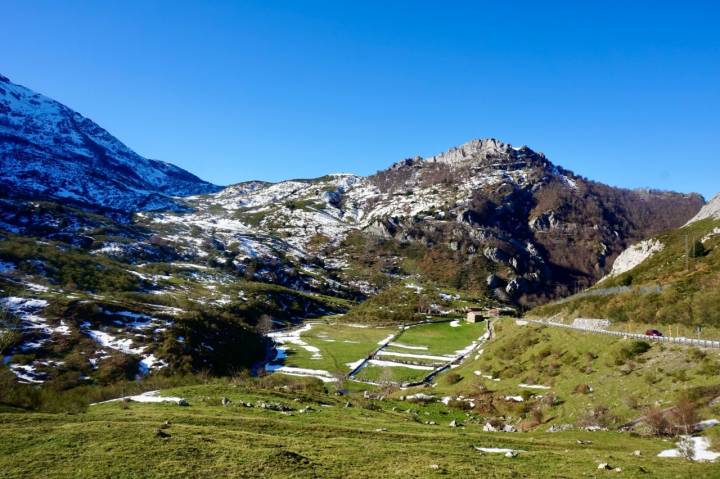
[
  {"x": 317, "y": 436},
  {"x": 73, "y": 318},
  {"x": 670, "y": 287},
  {"x": 580, "y": 379}
]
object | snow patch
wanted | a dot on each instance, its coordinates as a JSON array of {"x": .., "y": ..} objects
[
  {"x": 700, "y": 448},
  {"x": 386, "y": 341},
  {"x": 533, "y": 386},
  {"x": 355, "y": 364},
  {"x": 293, "y": 337},
  {"x": 321, "y": 374},
  {"x": 633, "y": 256},
  {"x": 406, "y": 346},
  {"x": 496, "y": 450},
  {"x": 147, "y": 397}
]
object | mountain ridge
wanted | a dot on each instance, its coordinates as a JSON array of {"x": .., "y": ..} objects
[
  {"x": 50, "y": 150},
  {"x": 485, "y": 221}
]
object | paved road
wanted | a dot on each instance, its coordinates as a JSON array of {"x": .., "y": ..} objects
[{"x": 701, "y": 343}]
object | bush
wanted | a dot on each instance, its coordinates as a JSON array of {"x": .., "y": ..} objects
[
  {"x": 453, "y": 378},
  {"x": 696, "y": 354},
  {"x": 677, "y": 420},
  {"x": 657, "y": 422},
  {"x": 697, "y": 250},
  {"x": 582, "y": 389},
  {"x": 599, "y": 416},
  {"x": 459, "y": 404},
  {"x": 537, "y": 416},
  {"x": 9, "y": 330},
  {"x": 684, "y": 415},
  {"x": 630, "y": 351},
  {"x": 651, "y": 378}
]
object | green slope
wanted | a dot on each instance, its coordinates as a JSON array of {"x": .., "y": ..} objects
[
  {"x": 369, "y": 440},
  {"x": 670, "y": 287}
]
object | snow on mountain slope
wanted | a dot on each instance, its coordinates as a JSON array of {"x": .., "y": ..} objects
[
  {"x": 633, "y": 256},
  {"x": 710, "y": 210},
  {"x": 49, "y": 150},
  {"x": 541, "y": 225}
]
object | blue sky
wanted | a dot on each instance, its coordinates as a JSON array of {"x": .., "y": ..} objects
[{"x": 627, "y": 93}]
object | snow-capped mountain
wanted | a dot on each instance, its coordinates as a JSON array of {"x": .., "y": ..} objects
[
  {"x": 48, "y": 150},
  {"x": 180, "y": 283},
  {"x": 541, "y": 230}
]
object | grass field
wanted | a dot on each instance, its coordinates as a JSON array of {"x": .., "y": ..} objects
[
  {"x": 368, "y": 440},
  {"x": 441, "y": 338},
  {"x": 335, "y": 347},
  {"x": 564, "y": 361}
]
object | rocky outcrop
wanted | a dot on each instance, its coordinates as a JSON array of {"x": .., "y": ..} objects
[
  {"x": 634, "y": 255},
  {"x": 710, "y": 210}
]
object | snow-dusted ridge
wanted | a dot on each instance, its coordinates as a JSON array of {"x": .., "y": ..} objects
[{"x": 52, "y": 151}]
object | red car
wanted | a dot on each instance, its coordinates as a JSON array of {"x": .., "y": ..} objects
[{"x": 653, "y": 332}]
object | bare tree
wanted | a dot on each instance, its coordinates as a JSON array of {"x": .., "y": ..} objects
[
  {"x": 686, "y": 447},
  {"x": 423, "y": 304},
  {"x": 684, "y": 416}
]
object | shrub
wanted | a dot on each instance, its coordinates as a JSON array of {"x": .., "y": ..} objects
[
  {"x": 684, "y": 415},
  {"x": 651, "y": 378},
  {"x": 630, "y": 351},
  {"x": 537, "y": 416},
  {"x": 697, "y": 250},
  {"x": 696, "y": 354},
  {"x": 582, "y": 389},
  {"x": 599, "y": 416},
  {"x": 551, "y": 400},
  {"x": 657, "y": 422},
  {"x": 453, "y": 378},
  {"x": 9, "y": 330},
  {"x": 631, "y": 402},
  {"x": 459, "y": 404}
]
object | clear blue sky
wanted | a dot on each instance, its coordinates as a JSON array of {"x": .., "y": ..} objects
[{"x": 623, "y": 92}]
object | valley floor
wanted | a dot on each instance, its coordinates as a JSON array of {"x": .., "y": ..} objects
[{"x": 317, "y": 436}]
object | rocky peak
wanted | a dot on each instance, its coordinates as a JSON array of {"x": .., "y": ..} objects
[{"x": 484, "y": 152}]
